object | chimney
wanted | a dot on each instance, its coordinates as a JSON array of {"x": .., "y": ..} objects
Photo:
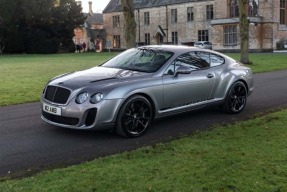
[{"x": 90, "y": 8}]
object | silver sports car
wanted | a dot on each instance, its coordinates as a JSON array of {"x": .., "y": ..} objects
[{"x": 129, "y": 91}]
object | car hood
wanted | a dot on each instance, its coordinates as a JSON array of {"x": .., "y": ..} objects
[{"x": 97, "y": 74}]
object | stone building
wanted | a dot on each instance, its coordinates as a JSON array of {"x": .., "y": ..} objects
[
  {"x": 92, "y": 33},
  {"x": 188, "y": 21},
  {"x": 268, "y": 24}
]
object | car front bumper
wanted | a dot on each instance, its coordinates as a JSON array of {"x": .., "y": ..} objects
[{"x": 84, "y": 116}]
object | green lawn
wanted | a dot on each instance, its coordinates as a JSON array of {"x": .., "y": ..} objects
[
  {"x": 264, "y": 62},
  {"x": 23, "y": 76},
  {"x": 248, "y": 156}
]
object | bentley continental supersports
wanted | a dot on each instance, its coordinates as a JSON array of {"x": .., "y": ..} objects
[{"x": 129, "y": 91}]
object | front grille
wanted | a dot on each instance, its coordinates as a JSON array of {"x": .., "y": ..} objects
[
  {"x": 57, "y": 94},
  {"x": 60, "y": 119}
]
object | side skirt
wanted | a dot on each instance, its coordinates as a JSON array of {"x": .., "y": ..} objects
[{"x": 188, "y": 107}]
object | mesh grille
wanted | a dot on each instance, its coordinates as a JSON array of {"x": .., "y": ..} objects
[
  {"x": 61, "y": 119},
  {"x": 57, "y": 94}
]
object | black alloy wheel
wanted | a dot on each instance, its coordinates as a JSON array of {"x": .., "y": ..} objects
[
  {"x": 236, "y": 98},
  {"x": 135, "y": 117}
]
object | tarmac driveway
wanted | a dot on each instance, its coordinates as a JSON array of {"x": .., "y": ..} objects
[{"x": 29, "y": 145}]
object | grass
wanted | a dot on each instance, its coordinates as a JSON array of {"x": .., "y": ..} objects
[
  {"x": 23, "y": 77},
  {"x": 248, "y": 156},
  {"x": 264, "y": 62}
]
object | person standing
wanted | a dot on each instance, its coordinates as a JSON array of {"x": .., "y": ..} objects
[{"x": 84, "y": 46}]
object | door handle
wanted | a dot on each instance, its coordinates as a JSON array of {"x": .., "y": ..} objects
[{"x": 210, "y": 76}]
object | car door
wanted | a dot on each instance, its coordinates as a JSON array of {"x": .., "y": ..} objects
[{"x": 185, "y": 89}]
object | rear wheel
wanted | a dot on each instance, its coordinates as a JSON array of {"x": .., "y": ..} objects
[
  {"x": 236, "y": 98},
  {"x": 135, "y": 116}
]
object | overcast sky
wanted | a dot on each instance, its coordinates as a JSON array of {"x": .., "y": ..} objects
[{"x": 98, "y": 5}]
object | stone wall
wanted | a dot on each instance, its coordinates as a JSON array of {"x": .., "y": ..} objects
[
  {"x": 265, "y": 30},
  {"x": 187, "y": 31}
]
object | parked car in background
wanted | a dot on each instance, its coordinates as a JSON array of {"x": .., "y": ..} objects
[
  {"x": 203, "y": 44},
  {"x": 129, "y": 91}
]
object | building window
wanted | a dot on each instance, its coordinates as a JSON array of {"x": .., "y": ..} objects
[
  {"x": 147, "y": 38},
  {"x": 174, "y": 38},
  {"x": 233, "y": 8},
  {"x": 209, "y": 12},
  {"x": 146, "y": 18},
  {"x": 190, "y": 14},
  {"x": 174, "y": 15},
  {"x": 116, "y": 21},
  {"x": 283, "y": 13},
  {"x": 230, "y": 35},
  {"x": 202, "y": 35},
  {"x": 253, "y": 8},
  {"x": 117, "y": 41}
]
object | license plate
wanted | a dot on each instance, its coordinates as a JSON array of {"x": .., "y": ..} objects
[{"x": 52, "y": 110}]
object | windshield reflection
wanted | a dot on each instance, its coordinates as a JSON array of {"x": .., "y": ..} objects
[{"x": 139, "y": 59}]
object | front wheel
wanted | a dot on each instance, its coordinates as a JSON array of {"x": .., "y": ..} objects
[
  {"x": 236, "y": 98},
  {"x": 135, "y": 116}
]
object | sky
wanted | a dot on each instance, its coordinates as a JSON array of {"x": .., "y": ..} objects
[{"x": 98, "y": 5}]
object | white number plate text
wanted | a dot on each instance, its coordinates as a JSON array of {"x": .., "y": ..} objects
[{"x": 52, "y": 109}]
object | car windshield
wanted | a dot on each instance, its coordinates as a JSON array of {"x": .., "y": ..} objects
[{"x": 139, "y": 59}]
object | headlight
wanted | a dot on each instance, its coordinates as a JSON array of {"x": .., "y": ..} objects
[
  {"x": 96, "y": 98},
  {"x": 82, "y": 97}
]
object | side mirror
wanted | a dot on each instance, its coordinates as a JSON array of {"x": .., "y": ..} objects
[{"x": 182, "y": 70}]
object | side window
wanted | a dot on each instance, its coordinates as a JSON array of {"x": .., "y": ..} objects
[
  {"x": 190, "y": 60},
  {"x": 216, "y": 60},
  {"x": 171, "y": 69},
  {"x": 212, "y": 59},
  {"x": 202, "y": 55}
]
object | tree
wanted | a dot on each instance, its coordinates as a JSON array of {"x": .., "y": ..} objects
[
  {"x": 130, "y": 23},
  {"x": 42, "y": 26},
  {"x": 9, "y": 31},
  {"x": 244, "y": 31},
  {"x": 1, "y": 36},
  {"x": 47, "y": 29}
]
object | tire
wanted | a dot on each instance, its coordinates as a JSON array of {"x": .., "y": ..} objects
[
  {"x": 236, "y": 98},
  {"x": 134, "y": 117}
]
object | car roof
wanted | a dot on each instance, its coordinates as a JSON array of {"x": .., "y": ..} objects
[
  {"x": 179, "y": 49},
  {"x": 202, "y": 42},
  {"x": 171, "y": 48}
]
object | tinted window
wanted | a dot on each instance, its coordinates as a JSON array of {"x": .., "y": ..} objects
[
  {"x": 212, "y": 59},
  {"x": 196, "y": 60},
  {"x": 139, "y": 59},
  {"x": 216, "y": 60},
  {"x": 190, "y": 60}
]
